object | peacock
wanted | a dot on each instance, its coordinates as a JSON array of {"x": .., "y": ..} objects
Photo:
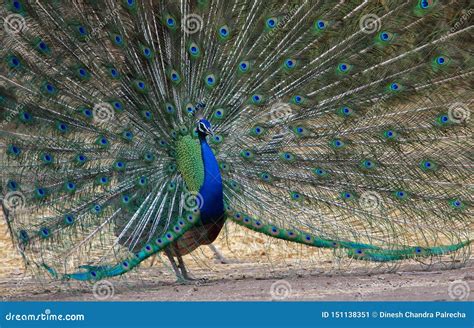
[{"x": 138, "y": 127}]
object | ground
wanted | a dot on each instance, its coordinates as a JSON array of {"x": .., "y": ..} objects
[
  {"x": 249, "y": 282},
  {"x": 262, "y": 269},
  {"x": 253, "y": 281}
]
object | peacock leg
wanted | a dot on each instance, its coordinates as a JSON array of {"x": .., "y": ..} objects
[
  {"x": 218, "y": 255},
  {"x": 178, "y": 274},
  {"x": 184, "y": 272},
  {"x": 152, "y": 262}
]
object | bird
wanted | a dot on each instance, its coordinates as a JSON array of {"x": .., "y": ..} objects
[{"x": 134, "y": 128}]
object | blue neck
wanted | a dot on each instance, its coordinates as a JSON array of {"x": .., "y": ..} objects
[{"x": 211, "y": 190}]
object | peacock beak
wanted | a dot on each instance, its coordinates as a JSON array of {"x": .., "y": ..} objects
[{"x": 211, "y": 132}]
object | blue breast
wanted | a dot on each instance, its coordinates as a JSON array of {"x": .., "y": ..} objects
[{"x": 212, "y": 209}]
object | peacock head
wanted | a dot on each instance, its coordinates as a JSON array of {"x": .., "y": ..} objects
[{"x": 204, "y": 128}]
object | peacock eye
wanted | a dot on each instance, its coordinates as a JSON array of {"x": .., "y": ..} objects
[{"x": 271, "y": 22}]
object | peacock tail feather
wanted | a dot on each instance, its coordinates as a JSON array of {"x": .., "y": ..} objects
[{"x": 338, "y": 124}]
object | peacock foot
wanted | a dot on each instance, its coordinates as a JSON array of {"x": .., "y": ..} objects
[
  {"x": 186, "y": 280},
  {"x": 224, "y": 260}
]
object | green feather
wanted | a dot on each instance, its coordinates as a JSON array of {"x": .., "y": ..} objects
[{"x": 189, "y": 160}]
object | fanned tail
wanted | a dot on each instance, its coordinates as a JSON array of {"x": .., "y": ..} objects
[
  {"x": 356, "y": 127},
  {"x": 354, "y": 250},
  {"x": 155, "y": 246},
  {"x": 343, "y": 121}
]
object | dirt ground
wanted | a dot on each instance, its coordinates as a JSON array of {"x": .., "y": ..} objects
[
  {"x": 254, "y": 281},
  {"x": 260, "y": 269}
]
